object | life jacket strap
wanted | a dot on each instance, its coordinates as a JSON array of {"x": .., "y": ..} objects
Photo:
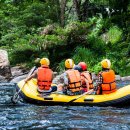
[
  {"x": 110, "y": 82},
  {"x": 75, "y": 87},
  {"x": 44, "y": 81}
]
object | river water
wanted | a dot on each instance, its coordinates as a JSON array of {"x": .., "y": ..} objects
[{"x": 25, "y": 116}]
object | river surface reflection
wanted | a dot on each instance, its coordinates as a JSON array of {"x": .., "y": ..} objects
[{"x": 32, "y": 117}]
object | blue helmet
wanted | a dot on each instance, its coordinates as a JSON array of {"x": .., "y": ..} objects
[{"x": 77, "y": 67}]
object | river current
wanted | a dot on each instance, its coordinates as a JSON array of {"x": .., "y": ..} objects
[{"x": 23, "y": 116}]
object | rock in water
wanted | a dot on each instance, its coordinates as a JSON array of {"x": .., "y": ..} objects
[{"x": 4, "y": 64}]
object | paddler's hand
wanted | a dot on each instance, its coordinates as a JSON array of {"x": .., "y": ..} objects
[{"x": 26, "y": 80}]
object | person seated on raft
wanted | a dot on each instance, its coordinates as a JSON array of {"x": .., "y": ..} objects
[
  {"x": 72, "y": 79},
  {"x": 106, "y": 79},
  {"x": 69, "y": 82},
  {"x": 77, "y": 67},
  {"x": 44, "y": 77},
  {"x": 86, "y": 77}
]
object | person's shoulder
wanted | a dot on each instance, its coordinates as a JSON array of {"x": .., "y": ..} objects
[{"x": 36, "y": 71}]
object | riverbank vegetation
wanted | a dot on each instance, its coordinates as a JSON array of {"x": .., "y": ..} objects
[{"x": 84, "y": 30}]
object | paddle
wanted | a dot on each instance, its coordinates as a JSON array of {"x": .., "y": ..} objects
[
  {"x": 94, "y": 90},
  {"x": 15, "y": 97},
  {"x": 80, "y": 96}
]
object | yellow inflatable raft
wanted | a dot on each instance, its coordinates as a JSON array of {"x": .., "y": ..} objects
[{"x": 29, "y": 94}]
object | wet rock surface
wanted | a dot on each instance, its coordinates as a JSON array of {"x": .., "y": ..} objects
[
  {"x": 18, "y": 71},
  {"x": 17, "y": 79},
  {"x": 3, "y": 79},
  {"x": 4, "y": 64},
  {"x": 126, "y": 78}
]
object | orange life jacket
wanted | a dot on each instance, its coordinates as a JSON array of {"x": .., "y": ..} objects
[
  {"x": 74, "y": 80},
  {"x": 86, "y": 75},
  {"x": 108, "y": 84},
  {"x": 44, "y": 78}
]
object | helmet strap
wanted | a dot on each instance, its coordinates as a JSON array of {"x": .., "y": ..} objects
[{"x": 105, "y": 69}]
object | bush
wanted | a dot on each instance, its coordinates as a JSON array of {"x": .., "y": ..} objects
[
  {"x": 114, "y": 34},
  {"x": 120, "y": 64},
  {"x": 96, "y": 26},
  {"x": 128, "y": 52},
  {"x": 97, "y": 68},
  {"x": 61, "y": 66},
  {"x": 97, "y": 45},
  {"x": 83, "y": 54},
  {"x": 78, "y": 28},
  {"x": 22, "y": 54},
  {"x": 87, "y": 56}
]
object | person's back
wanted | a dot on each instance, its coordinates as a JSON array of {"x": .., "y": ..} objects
[
  {"x": 86, "y": 78},
  {"x": 44, "y": 77},
  {"x": 72, "y": 79},
  {"x": 106, "y": 78},
  {"x": 108, "y": 84}
]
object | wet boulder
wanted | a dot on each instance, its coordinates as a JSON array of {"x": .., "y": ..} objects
[
  {"x": 3, "y": 79},
  {"x": 118, "y": 77},
  {"x": 18, "y": 71},
  {"x": 126, "y": 78},
  {"x": 5, "y": 70},
  {"x": 18, "y": 79}
]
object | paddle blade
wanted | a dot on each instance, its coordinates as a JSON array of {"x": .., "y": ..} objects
[{"x": 15, "y": 98}]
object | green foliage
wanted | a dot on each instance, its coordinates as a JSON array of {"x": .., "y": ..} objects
[
  {"x": 114, "y": 34},
  {"x": 39, "y": 14},
  {"x": 119, "y": 63},
  {"x": 61, "y": 66},
  {"x": 100, "y": 2},
  {"x": 25, "y": 18},
  {"x": 97, "y": 23},
  {"x": 89, "y": 57},
  {"x": 97, "y": 68},
  {"x": 128, "y": 52},
  {"x": 97, "y": 45},
  {"x": 22, "y": 54},
  {"x": 31, "y": 29},
  {"x": 83, "y": 54},
  {"x": 78, "y": 28},
  {"x": 44, "y": 42}
]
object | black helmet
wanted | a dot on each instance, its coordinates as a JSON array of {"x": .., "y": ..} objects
[{"x": 77, "y": 67}]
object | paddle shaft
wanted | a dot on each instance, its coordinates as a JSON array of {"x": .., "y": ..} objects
[
  {"x": 80, "y": 96},
  {"x": 20, "y": 89},
  {"x": 15, "y": 97},
  {"x": 30, "y": 73}
]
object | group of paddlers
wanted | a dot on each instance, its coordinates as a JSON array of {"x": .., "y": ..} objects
[{"x": 75, "y": 80}]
